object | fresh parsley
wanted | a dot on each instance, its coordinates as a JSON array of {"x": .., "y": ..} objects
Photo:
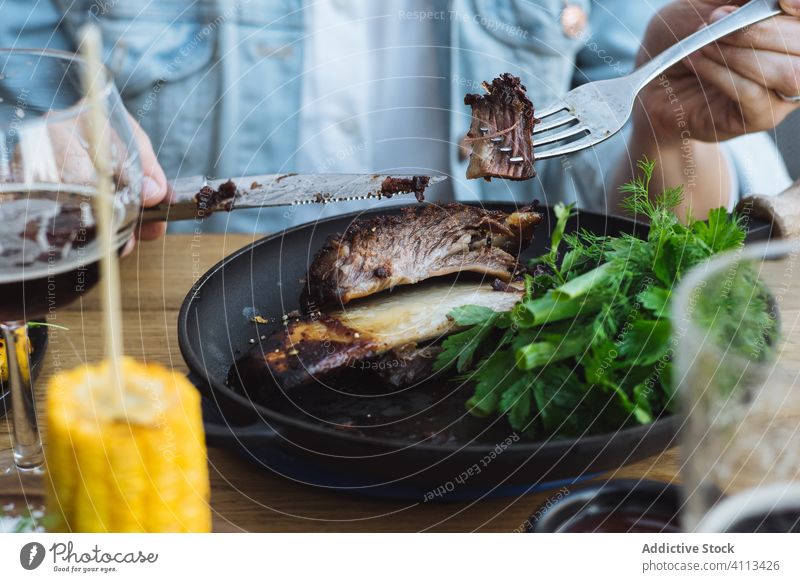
[{"x": 587, "y": 349}]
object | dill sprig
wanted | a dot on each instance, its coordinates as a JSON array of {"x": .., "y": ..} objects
[{"x": 587, "y": 347}]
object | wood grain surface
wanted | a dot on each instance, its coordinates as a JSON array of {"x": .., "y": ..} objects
[{"x": 245, "y": 497}]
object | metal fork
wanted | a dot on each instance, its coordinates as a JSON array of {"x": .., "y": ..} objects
[{"x": 594, "y": 112}]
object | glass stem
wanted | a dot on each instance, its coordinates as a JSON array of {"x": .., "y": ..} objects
[{"x": 26, "y": 442}]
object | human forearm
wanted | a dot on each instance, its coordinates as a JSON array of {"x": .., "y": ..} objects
[{"x": 726, "y": 90}]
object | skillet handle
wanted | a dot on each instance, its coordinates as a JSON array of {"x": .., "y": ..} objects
[
  {"x": 222, "y": 435},
  {"x": 783, "y": 210}
]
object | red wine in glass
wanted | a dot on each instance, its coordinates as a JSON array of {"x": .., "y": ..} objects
[
  {"x": 48, "y": 252},
  {"x": 49, "y": 256}
]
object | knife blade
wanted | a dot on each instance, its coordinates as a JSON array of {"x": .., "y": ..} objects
[{"x": 199, "y": 196}]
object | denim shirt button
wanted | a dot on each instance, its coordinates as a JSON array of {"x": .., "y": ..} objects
[{"x": 349, "y": 126}]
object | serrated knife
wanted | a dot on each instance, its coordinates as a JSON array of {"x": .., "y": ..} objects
[{"x": 198, "y": 196}]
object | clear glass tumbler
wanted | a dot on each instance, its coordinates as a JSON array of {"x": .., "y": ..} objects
[
  {"x": 49, "y": 252},
  {"x": 736, "y": 336}
]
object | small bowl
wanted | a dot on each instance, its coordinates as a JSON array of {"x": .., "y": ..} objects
[
  {"x": 772, "y": 508},
  {"x": 615, "y": 506}
]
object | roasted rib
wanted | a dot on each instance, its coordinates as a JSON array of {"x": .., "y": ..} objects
[
  {"x": 318, "y": 345},
  {"x": 415, "y": 245}
]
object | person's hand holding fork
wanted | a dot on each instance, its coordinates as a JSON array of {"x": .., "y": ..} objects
[{"x": 747, "y": 82}]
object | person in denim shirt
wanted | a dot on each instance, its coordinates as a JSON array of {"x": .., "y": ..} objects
[{"x": 226, "y": 88}]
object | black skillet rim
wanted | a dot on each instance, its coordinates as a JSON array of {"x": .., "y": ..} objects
[{"x": 220, "y": 389}]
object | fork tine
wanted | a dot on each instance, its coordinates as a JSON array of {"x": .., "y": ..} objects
[
  {"x": 553, "y": 121},
  {"x": 559, "y": 135},
  {"x": 551, "y": 109},
  {"x": 569, "y": 148}
]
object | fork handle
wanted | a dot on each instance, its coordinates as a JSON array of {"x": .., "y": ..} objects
[{"x": 750, "y": 13}]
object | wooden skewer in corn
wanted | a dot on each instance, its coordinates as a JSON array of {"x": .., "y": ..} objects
[
  {"x": 95, "y": 82},
  {"x": 127, "y": 457}
]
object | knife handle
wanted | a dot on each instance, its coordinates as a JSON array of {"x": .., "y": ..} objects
[
  {"x": 175, "y": 211},
  {"x": 782, "y": 211}
]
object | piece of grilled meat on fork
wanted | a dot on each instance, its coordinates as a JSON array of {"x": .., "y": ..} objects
[
  {"x": 417, "y": 244},
  {"x": 501, "y": 132}
]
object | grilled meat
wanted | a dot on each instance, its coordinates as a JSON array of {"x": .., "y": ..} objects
[
  {"x": 501, "y": 133},
  {"x": 405, "y": 366},
  {"x": 417, "y": 244},
  {"x": 394, "y": 370},
  {"x": 319, "y": 345},
  {"x": 417, "y": 185}
]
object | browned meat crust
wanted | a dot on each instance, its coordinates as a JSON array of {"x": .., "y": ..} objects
[
  {"x": 417, "y": 244},
  {"x": 405, "y": 366},
  {"x": 308, "y": 348},
  {"x": 416, "y": 185},
  {"x": 318, "y": 346},
  {"x": 506, "y": 114},
  {"x": 209, "y": 199}
]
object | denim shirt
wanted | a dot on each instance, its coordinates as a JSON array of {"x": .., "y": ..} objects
[{"x": 216, "y": 84}]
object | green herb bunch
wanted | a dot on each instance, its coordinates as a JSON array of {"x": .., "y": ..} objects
[{"x": 588, "y": 349}]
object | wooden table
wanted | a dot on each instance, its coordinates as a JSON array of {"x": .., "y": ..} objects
[{"x": 245, "y": 497}]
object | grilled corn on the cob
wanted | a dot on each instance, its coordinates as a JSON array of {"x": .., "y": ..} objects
[
  {"x": 139, "y": 469},
  {"x": 23, "y": 350}
]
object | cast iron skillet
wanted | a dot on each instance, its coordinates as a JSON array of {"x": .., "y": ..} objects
[
  {"x": 38, "y": 336},
  {"x": 408, "y": 445}
]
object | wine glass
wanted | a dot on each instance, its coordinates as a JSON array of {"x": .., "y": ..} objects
[
  {"x": 49, "y": 251},
  {"x": 737, "y": 353}
]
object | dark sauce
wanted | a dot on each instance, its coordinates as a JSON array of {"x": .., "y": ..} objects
[{"x": 47, "y": 252}]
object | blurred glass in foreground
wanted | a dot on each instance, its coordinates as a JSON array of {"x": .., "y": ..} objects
[{"x": 736, "y": 339}]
